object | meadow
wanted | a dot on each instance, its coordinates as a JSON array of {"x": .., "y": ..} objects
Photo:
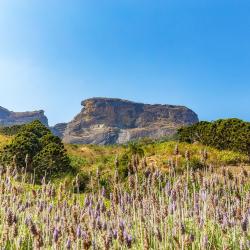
[
  {"x": 145, "y": 195},
  {"x": 151, "y": 210},
  {"x": 87, "y": 159}
]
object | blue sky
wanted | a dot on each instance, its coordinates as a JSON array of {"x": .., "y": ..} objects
[{"x": 196, "y": 53}]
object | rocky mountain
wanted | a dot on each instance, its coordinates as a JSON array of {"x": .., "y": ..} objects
[
  {"x": 10, "y": 118},
  {"x": 59, "y": 129},
  {"x": 108, "y": 121}
]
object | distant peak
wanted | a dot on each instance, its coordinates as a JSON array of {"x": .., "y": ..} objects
[{"x": 10, "y": 118}]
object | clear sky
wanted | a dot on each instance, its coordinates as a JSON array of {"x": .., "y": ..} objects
[{"x": 196, "y": 53}]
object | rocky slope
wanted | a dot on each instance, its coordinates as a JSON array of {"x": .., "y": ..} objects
[
  {"x": 108, "y": 121},
  {"x": 59, "y": 129},
  {"x": 10, "y": 118}
]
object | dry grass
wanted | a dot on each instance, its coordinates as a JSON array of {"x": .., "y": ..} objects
[{"x": 4, "y": 140}]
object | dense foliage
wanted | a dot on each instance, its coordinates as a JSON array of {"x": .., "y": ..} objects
[
  {"x": 37, "y": 150},
  {"x": 12, "y": 130},
  {"x": 230, "y": 134}
]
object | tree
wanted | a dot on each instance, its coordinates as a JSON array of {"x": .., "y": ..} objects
[
  {"x": 231, "y": 134},
  {"x": 46, "y": 152},
  {"x": 12, "y": 130},
  {"x": 51, "y": 161},
  {"x": 24, "y": 143}
]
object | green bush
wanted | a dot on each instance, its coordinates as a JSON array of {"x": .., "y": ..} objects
[
  {"x": 37, "y": 150},
  {"x": 77, "y": 162},
  {"x": 12, "y": 130},
  {"x": 123, "y": 171},
  {"x": 229, "y": 134},
  {"x": 51, "y": 161}
]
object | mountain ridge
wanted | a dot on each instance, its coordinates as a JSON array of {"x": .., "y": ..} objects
[
  {"x": 105, "y": 120},
  {"x": 112, "y": 120},
  {"x": 11, "y": 118}
]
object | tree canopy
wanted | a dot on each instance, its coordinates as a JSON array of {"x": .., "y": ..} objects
[
  {"x": 37, "y": 150},
  {"x": 232, "y": 134},
  {"x": 12, "y": 130}
]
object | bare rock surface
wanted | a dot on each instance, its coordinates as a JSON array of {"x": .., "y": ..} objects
[
  {"x": 109, "y": 120},
  {"x": 10, "y": 118},
  {"x": 59, "y": 129}
]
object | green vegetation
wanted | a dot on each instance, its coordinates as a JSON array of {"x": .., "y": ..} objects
[
  {"x": 4, "y": 140},
  {"x": 13, "y": 130},
  {"x": 144, "y": 195},
  {"x": 37, "y": 151},
  {"x": 88, "y": 159},
  {"x": 46, "y": 154},
  {"x": 230, "y": 134}
]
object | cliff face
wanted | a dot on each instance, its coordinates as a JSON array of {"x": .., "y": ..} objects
[
  {"x": 10, "y": 118},
  {"x": 59, "y": 129},
  {"x": 108, "y": 121}
]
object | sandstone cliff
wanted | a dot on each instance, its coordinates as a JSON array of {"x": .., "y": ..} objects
[
  {"x": 10, "y": 118},
  {"x": 108, "y": 121}
]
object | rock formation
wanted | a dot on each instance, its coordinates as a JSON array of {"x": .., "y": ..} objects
[
  {"x": 59, "y": 129},
  {"x": 109, "y": 121},
  {"x": 10, "y": 118}
]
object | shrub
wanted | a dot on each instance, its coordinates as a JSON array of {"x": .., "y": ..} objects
[
  {"x": 51, "y": 161},
  {"x": 38, "y": 150},
  {"x": 12, "y": 130},
  {"x": 230, "y": 134},
  {"x": 77, "y": 162},
  {"x": 123, "y": 171},
  {"x": 25, "y": 143}
]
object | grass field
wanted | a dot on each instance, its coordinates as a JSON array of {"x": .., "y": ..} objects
[
  {"x": 159, "y": 195},
  {"x": 159, "y": 154}
]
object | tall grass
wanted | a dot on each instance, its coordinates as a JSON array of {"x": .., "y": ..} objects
[{"x": 194, "y": 210}]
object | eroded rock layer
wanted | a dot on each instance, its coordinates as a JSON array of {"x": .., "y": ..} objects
[
  {"x": 109, "y": 121},
  {"x": 10, "y": 118}
]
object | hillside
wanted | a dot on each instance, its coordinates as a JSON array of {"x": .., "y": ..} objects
[
  {"x": 85, "y": 160},
  {"x": 109, "y": 195},
  {"x": 89, "y": 157},
  {"x": 136, "y": 210}
]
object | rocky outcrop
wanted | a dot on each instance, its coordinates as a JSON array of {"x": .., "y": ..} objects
[
  {"x": 59, "y": 129},
  {"x": 109, "y": 121},
  {"x": 10, "y": 118}
]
